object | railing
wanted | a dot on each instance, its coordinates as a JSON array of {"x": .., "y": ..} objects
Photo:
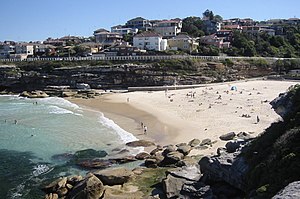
[{"x": 141, "y": 58}]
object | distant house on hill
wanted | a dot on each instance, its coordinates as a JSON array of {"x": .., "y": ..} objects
[
  {"x": 214, "y": 40},
  {"x": 150, "y": 41},
  {"x": 183, "y": 42},
  {"x": 168, "y": 28},
  {"x": 123, "y": 30},
  {"x": 139, "y": 23},
  {"x": 123, "y": 49},
  {"x": 106, "y": 38}
]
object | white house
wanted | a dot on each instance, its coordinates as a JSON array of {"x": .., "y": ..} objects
[
  {"x": 123, "y": 30},
  {"x": 6, "y": 50},
  {"x": 23, "y": 50},
  {"x": 168, "y": 28},
  {"x": 150, "y": 41}
]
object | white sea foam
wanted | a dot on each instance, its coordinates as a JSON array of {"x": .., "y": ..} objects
[
  {"x": 61, "y": 102},
  {"x": 124, "y": 135},
  {"x": 58, "y": 110}
]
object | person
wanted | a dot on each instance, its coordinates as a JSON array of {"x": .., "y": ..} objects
[
  {"x": 145, "y": 129},
  {"x": 257, "y": 119},
  {"x": 127, "y": 99},
  {"x": 16, "y": 121}
]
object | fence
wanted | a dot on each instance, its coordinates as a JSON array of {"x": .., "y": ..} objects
[{"x": 140, "y": 58}]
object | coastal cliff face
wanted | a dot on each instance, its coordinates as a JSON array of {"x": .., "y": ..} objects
[{"x": 37, "y": 76}]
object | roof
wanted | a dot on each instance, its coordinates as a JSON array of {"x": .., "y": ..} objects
[
  {"x": 100, "y": 30},
  {"x": 137, "y": 19},
  {"x": 148, "y": 34},
  {"x": 232, "y": 27}
]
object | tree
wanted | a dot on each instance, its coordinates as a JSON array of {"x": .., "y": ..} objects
[
  {"x": 208, "y": 15},
  {"x": 218, "y": 18},
  {"x": 193, "y": 26}
]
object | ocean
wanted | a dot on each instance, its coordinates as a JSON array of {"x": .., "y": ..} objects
[{"x": 32, "y": 131}]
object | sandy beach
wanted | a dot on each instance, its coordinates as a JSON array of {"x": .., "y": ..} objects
[{"x": 177, "y": 116}]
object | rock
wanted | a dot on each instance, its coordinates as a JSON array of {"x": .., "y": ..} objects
[
  {"x": 95, "y": 164},
  {"x": 194, "y": 142},
  {"x": 69, "y": 186},
  {"x": 291, "y": 191},
  {"x": 232, "y": 146},
  {"x": 196, "y": 190},
  {"x": 62, "y": 157},
  {"x": 34, "y": 94},
  {"x": 184, "y": 149},
  {"x": 72, "y": 180},
  {"x": 51, "y": 196},
  {"x": 176, "y": 178},
  {"x": 88, "y": 154},
  {"x": 172, "y": 186},
  {"x": 244, "y": 136},
  {"x": 112, "y": 177},
  {"x": 206, "y": 142},
  {"x": 181, "y": 144},
  {"x": 228, "y": 136},
  {"x": 191, "y": 172},
  {"x": 168, "y": 149},
  {"x": 62, "y": 192},
  {"x": 154, "y": 151},
  {"x": 142, "y": 143},
  {"x": 123, "y": 160},
  {"x": 171, "y": 158},
  {"x": 90, "y": 188},
  {"x": 142, "y": 156},
  {"x": 227, "y": 167},
  {"x": 55, "y": 185},
  {"x": 151, "y": 163}
]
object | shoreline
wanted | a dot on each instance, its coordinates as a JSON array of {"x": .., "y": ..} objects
[{"x": 173, "y": 117}]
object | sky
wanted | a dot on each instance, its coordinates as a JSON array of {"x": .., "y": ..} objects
[{"x": 32, "y": 20}]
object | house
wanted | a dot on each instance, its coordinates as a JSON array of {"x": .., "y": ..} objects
[
  {"x": 213, "y": 40},
  {"x": 123, "y": 49},
  {"x": 139, "y": 23},
  {"x": 54, "y": 42},
  {"x": 6, "y": 49},
  {"x": 124, "y": 30},
  {"x": 150, "y": 41},
  {"x": 258, "y": 29},
  {"x": 232, "y": 27},
  {"x": 106, "y": 38},
  {"x": 71, "y": 40},
  {"x": 226, "y": 35},
  {"x": 183, "y": 42},
  {"x": 23, "y": 51},
  {"x": 211, "y": 26},
  {"x": 91, "y": 47},
  {"x": 43, "y": 49},
  {"x": 168, "y": 28}
]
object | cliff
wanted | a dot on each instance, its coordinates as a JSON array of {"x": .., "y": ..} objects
[{"x": 40, "y": 75}]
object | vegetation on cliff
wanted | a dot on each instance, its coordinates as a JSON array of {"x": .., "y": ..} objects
[{"x": 274, "y": 157}]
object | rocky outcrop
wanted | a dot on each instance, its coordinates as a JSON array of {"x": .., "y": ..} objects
[
  {"x": 112, "y": 177},
  {"x": 90, "y": 188},
  {"x": 140, "y": 143},
  {"x": 34, "y": 94},
  {"x": 291, "y": 191},
  {"x": 226, "y": 167},
  {"x": 176, "y": 178}
]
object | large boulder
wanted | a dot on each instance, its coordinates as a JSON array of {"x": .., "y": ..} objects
[
  {"x": 227, "y": 136},
  {"x": 176, "y": 178},
  {"x": 184, "y": 149},
  {"x": 196, "y": 190},
  {"x": 291, "y": 191},
  {"x": 171, "y": 158},
  {"x": 55, "y": 185},
  {"x": 140, "y": 143},
  {"x": 90, "y": 188},
  {"x": 233, "y": 146},
  {"x": 169, "y": 149},
  {"x": 112, "y": 177},
  {"x": 142, "y": 156}
]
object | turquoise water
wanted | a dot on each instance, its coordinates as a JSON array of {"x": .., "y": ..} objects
[{"x": 33, "y": 130}]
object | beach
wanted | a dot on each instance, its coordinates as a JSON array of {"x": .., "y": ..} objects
[{"x": 178, "y": 116}]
